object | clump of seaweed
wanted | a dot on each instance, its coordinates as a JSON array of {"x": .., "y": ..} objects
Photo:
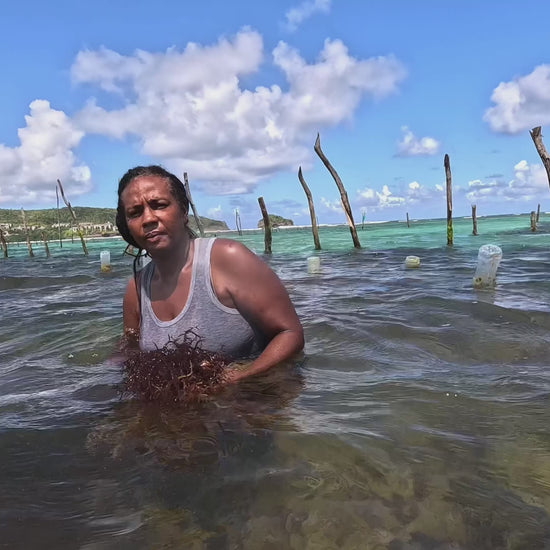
[{"x": 181, "y": 371}]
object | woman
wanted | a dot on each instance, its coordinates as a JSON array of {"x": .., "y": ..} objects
[{"x": 217, "y": 288}]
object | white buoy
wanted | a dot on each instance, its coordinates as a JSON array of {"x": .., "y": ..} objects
[
  {"x": 488, "y": 259},
  {"x": 105, "y": 259},
  {"x": 314, "y": 264},
  {"x": 412, "y": 261}
]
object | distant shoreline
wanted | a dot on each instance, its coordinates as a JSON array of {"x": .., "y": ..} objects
[{"x": 252, "y": 230}]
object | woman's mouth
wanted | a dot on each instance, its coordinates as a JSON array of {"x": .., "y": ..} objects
[{"x": 153, "y": 236}]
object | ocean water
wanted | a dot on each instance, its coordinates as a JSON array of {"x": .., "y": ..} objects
[{"x": 419, "y": 418}]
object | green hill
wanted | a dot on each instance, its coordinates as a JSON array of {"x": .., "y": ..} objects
[
  {"x": 276, "y": 221},
  {"x": 94, "y": 221}
]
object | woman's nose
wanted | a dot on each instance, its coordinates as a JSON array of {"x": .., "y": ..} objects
[{"x": 148, "y": 216}]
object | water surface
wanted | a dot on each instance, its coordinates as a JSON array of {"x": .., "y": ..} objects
[{"x": 419, "y": 419}]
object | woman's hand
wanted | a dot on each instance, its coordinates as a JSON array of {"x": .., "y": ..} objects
[{"x": 236, "y": 371}]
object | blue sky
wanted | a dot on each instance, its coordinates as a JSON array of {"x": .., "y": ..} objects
[{"x": 234, "y": 94}]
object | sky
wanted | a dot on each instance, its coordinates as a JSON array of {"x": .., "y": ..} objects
[{"x": 235, "y": 93}]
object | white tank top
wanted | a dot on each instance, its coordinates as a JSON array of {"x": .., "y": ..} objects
[{"x": 221, "y": 329}]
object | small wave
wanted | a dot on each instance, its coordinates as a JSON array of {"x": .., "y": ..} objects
[{"x": 10, "y": 283}]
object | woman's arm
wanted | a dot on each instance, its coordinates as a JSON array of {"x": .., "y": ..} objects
[{"x": 244, "y": 281}]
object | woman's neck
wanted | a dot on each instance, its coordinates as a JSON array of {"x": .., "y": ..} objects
[{"x": 171, "y": 263}]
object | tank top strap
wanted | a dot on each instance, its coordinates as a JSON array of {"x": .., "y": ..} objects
[{"x": 201, "y": 259}]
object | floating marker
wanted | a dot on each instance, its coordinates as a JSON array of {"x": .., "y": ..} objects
[
  {"x": 488, "y": 259},
  {"x": 412, "y": 261},
  {"x": 105, "y": 259},
  {"x": 314, "y": 264}
]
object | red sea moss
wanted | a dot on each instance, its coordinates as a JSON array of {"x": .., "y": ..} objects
[{"x": 179, "y": 371}]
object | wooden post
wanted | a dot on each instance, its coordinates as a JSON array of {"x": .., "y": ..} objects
[
  {"x": 267, "y": 225},
  {"x": 45, "y": 239},
  {"x": 408, "y": 221},
  {"x": 73, "y": 215},
  {"x": 343, "y": 193},
  {"x": 4, "y": 244},
  {"x": 58, "y": 217},
  {"x": 189, "y": 198},
  {"x": 238, "y": 222},
  {"x": 533, "y": 221},
  {"x": 474, "y": 219},
  {"x": 29, "y": 245},
  {"x": 314, "y": 227},
  {"x": 447, "y": 165},
  {"x": 538, "y": 212},
  {"x": 536, "y": 136}
]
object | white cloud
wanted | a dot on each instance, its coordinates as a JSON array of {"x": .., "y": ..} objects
[
  {"x": 297, "y": 15},
  {"x": 28, "y": 173},
  {"x": 377, "y": 200},
  {"x": 373, "y": 200},
  {"x": 529, "y": 184},
  {"x": 418, "y": 193},
  {"x": 522, "y": 103},
  {"x": 188, "y": 110},
  {"x": 410, "y": 145},
  {"x": 332, "y": 206},
  {"x": 216, "y": 212}
]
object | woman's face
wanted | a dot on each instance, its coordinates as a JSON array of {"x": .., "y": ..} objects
[{"x": 154, "y": 217}]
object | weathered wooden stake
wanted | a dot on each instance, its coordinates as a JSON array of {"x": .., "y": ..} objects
[
  {"x": 474, "y": 219},
  {"x": 267, "y": 225},
  {"x": 447, "y": 165},
  {"x": 536, "y": 135},
  {"x": 343, "y": 193},
  {"x": 190, "y": 199},
  {"x": 73, "y": 215},
  {"x": 45, "y": 239},
  {"x": 314, "y": 227},
  {"x": 238, "y": 222},
  {"x": 4, "y": 244},
  {"x": 533, "y": 221},
  {"x": 538, "y": 212},
  {"x": 58, "y": 217},
  {"x": 408, "y": 221},
  {"x": 29, "y": 245}
]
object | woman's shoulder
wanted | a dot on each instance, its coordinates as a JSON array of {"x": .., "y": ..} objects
[
  {"x": 226, "y": 247},
  {"x": 229, "y": 253}
]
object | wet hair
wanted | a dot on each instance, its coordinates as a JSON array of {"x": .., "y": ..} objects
[{"x": 176, "y": 187}]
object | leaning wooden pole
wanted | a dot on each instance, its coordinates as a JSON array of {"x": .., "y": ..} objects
[
  {"x": 536, "y": 135},
  {"x": 46, "y": 247},
  {"x": 343, "y": 193},
  {"x": 408, "y": 221},
  {"x": 29, "y": 244},
  {"x": 538, "y": 212},
  {"x": 73, "y": 215},
  {"x": 449, "y": 201},
  {"x": 474, "y": 219},
  {"x": 238, "y": 222},
  {"x": 58, "y": 217},
  {"x": 314, "y": 227},
  {"x": 4, "y": 244},
  {"x": 267, "y": 225},
  {"x": 190, "y": 199}
]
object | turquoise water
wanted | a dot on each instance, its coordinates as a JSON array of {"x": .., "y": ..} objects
[{"x": 419, "y": 419}]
